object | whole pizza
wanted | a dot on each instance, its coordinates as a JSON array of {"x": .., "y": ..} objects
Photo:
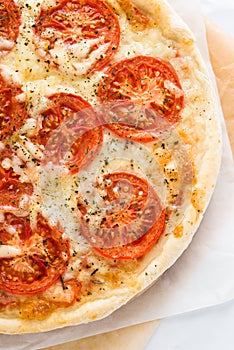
[{"x": 109, "y": 153}]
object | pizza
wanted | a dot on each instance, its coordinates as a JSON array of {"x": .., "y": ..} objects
[{"x": 110, "y": 149}]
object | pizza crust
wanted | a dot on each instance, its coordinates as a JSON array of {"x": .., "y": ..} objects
[{"x": 203, "y": 139}]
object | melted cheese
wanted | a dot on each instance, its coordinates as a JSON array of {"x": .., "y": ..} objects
[
  {"x": 83, "y": 65},
  {"x": 5, "y": 45},
  {"x": 40, "y": 80},
  {"x": 6, "y": 163},
  {"x": 9, "y": 75},
  {"x": 173, "y": 88},
  {"x": 7, "y": 251},
  {"x": 75, "y": 56}
]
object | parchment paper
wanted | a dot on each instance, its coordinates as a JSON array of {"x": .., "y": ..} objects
[
  {"x": 200, "y": 278},
  {"x": 221, "y": 48}
]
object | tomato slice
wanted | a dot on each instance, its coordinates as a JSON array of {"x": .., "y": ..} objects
[
  {"x": 69, "y": 126},
  {"x": 11, "y": 187},
  {"x": 12, "y": 110},
  {"x": 134, "y": 222},
  {"x": 9, "y": 25},
  {"x": 136, "y": 18},
  {"x": 144, "y": 98},
  {"x": 77, "y": 32},
  {"x": 42, "y": 257}
]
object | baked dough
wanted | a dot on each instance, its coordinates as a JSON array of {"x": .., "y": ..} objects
[{"x": 189, "y": 155}]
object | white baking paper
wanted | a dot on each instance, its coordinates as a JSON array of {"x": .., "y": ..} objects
[
  {"x": 221, "y": 12},
  {"x": 201, "y": 277}
]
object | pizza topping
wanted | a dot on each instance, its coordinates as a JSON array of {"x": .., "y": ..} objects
[
  {"x": 136, "y": 18},
  {"x": 78, "y": 36},
  {"x": 9, "y": 25},
  {"x": 63, "y": 292},
  {"x": 132, "y": 224},
  {"x": 70, "y": 132},
  {"x": 13, "y": 191},
  {"x": 12, "y": 105},
  {"x": 144, "y": 97},
  {"x": 5, "y": 45},
  {"x": 41, "y": 258},
  {"x": 7, "y": 251}
]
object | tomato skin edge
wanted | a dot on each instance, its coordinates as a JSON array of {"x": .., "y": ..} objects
[
  {"x": 52, "y": 275},
  {"x": 127, "y": 252},
  {"x": 23, "y": 289},
  {"x": 121, "y": 73},
  {"x": 103, "y": 8}
]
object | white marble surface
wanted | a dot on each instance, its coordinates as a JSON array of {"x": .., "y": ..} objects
[{"x": 208, "y": 328}]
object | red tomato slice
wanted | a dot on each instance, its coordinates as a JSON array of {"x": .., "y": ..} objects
[
  {"x": 84, "y": 29},
  {"x": 11, "y": 187},
  {"x": 12, "y": 111},
  {"x": 134, "y": 222},
  {"x": 144, "y": 98},
  {"x": 43, "y": 258},
  {"x": 134, "y": 15},
  {"x": 70, "y": 125},
  {"x": 9, "y": 25}
]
